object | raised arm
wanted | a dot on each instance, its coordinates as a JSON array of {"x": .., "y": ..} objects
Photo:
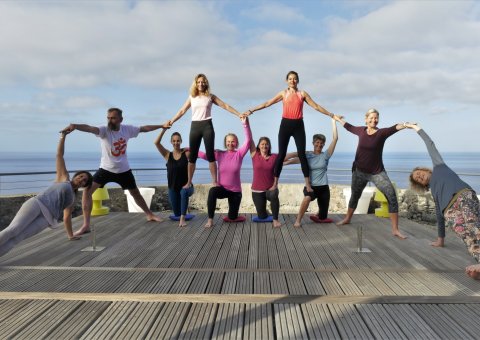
[
  {"x": 253, "y": 148},
  {"x": 248, "y": 137},
  {"x": 181, "y": 112},
  {"x": 278, "y": 97},
  {"x": 333, "y": 144},
  {"x": 317, "y": 107},
  {"x": 164, "y": 152},
  {"x": 61, "y": 169},
  {"x": 217, "y": 101},
  {"x": 431, "y": 148},
  {"x": 148, "y": 128},
  {"x": 82, "y": 127}
]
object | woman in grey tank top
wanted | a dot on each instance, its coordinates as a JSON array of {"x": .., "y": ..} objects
[{"x": 44, "y": 210}]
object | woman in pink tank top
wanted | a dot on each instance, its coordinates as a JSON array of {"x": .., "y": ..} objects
[
  {"x": 292, "y": 123},
  {"x": 201, "y": 100}
]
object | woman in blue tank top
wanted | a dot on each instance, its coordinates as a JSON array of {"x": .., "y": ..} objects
[{"x": 45, "y": 210}]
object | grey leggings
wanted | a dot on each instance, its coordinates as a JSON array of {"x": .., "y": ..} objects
[
  {"x": 381, "y": 181},
  {"x": 28, "y": 222}
]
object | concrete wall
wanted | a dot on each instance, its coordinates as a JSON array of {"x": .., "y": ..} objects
[{"x": 413, "y": 206}]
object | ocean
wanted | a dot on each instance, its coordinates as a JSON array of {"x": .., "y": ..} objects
[{"x": 398, "y": 165}]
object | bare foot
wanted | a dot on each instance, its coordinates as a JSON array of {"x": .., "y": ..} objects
[
  {"x": 83, "y": 230},
  {"x": 209, "y": 223},
  {"x": 182, "y": 222},
  {"x": 342, "y": 222},
  {"x": 473, "y": 271},
  {"x": 276, "y": 224},
  {"x": 437, "y": 243},
  {"x": 399, "y": 235},
  {"x": 155, "y": 218}
]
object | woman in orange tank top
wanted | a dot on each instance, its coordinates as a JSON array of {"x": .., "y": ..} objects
[{"x": 292, "y": 124}]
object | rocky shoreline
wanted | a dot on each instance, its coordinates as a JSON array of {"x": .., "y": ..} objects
[{"x": 417, "y": 207}]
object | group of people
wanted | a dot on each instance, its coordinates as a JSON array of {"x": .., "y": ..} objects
[{"x": 457, "y": 205}]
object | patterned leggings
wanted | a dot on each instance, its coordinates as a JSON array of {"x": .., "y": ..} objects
[
  {"x": 463, "y": 217},
  {"x": 381, "y": 181}
]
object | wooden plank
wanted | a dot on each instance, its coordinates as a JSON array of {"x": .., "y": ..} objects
[
  {"x": 410, "y": 322},
  {"x": 243, "y": 252},
  {"x": 216, "y": 283},
  {"x": 440, "y": 321},
  {"x": 278, "y": 283},
  {"x": 199, "y": 322},
  {"x": 182, "y": 283},
  {"x": 253, "y": 246},
  {"x": 319, "y": 323},
  {"x": 244, "y": 283},
  {"x": 110, "y": 320},
  {"x": 169, "y": 321},
  {"x": 273, "y": 257},
  {"x": 261, "y": 283},
  {"x": 330, "y": 284},
  {"x": 235, "y": 247},
  {"x": 262, "y": 245},
  {"x": 79, "y": 321},
  {"x": 379, "y": 322},
  {"x": 258, "y": 322},
  {"x": 165, "y": 283},
  {"x": 349, "y": 323},
  {"x": 347, "y": 284},
  {"x": 230, "y": 283},
  {"x": 199, "y": 283},
  {"x": 295, "y": 283},
  {"x": 364, "y": 284},
  {"x": 463, "y": 316},
  {"x": 23, "y": 317}
]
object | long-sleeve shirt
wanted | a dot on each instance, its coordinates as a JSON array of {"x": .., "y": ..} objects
[
  {"x": 230, "y": 163},
  {"x": 444, "y": 183},
  {"x": 368, "y": 157}
]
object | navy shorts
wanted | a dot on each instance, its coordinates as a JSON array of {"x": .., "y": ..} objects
[{"x": 124, "y": 179}]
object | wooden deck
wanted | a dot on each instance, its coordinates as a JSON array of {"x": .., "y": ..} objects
[{"x": 243, "y": 280}]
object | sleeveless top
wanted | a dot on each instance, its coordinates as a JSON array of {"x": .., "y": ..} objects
[
  {"x": 263, "y": 177},
  {"x": 201, "y": 107},
  {"x": 177, "y": 171},
  {"x": 293, "y": 105},
  {"x": 57, "y": 197}
]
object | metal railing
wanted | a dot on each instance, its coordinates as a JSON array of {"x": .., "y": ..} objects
[{"x": 34, "y": 182}]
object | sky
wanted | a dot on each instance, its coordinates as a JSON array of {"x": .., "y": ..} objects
[{"x": 67, "y": 62}]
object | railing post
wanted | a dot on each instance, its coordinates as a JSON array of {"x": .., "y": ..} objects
[
  {"x": 94, "y": 241},
  {"x": 360, "y": 248}
]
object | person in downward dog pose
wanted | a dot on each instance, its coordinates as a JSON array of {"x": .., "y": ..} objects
[
  {"x": 44, "y": 210},
  {"x": 318, "y": 164}
]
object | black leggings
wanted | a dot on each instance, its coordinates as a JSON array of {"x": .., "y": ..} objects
[
  {"x": 322, "y": 194},
  {"x": 289, "y": 128},
  {"x": 260, "y": 201},
  {"x": 198, "y": 130},
  {"x": 234, "y": 199}
]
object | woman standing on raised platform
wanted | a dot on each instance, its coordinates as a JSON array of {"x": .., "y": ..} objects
[
  {"x": 456, "y": 203},
  {"x": 292, "y": 123},
  {"x": 177, "y": 175},
  {"x": 44, "y": 210},
  {"x": 201, "y": 100},
  {"x": 368, "y": 165},
  {"x": 229, "y": 165}
]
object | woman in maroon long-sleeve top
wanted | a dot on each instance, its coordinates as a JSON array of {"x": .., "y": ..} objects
[{"x": 368, "y": 166}]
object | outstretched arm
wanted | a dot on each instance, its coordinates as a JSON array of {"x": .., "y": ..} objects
[
  {"x": 217, "y": 101},
  {"x": 61, "y": 169},
  {"x": 268, "y": 103},
  {"x": 164, "y": 152},
  {"x": 431, "y": 148},
  {"x": 181, "y": 112},
  {"x": 340, "y": 119},
  {"x": 317, "y": 107},
  {"x": 148, "y": 128},
  {"x": 253, "y": 148},
  {"x": 333, "y": 144},
  {"x": 248, "y": 137},
  {"x": 82, "y": 127}
]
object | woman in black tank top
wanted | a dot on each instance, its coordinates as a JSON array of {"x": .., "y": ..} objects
[{"x": 177, "y": 174}]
